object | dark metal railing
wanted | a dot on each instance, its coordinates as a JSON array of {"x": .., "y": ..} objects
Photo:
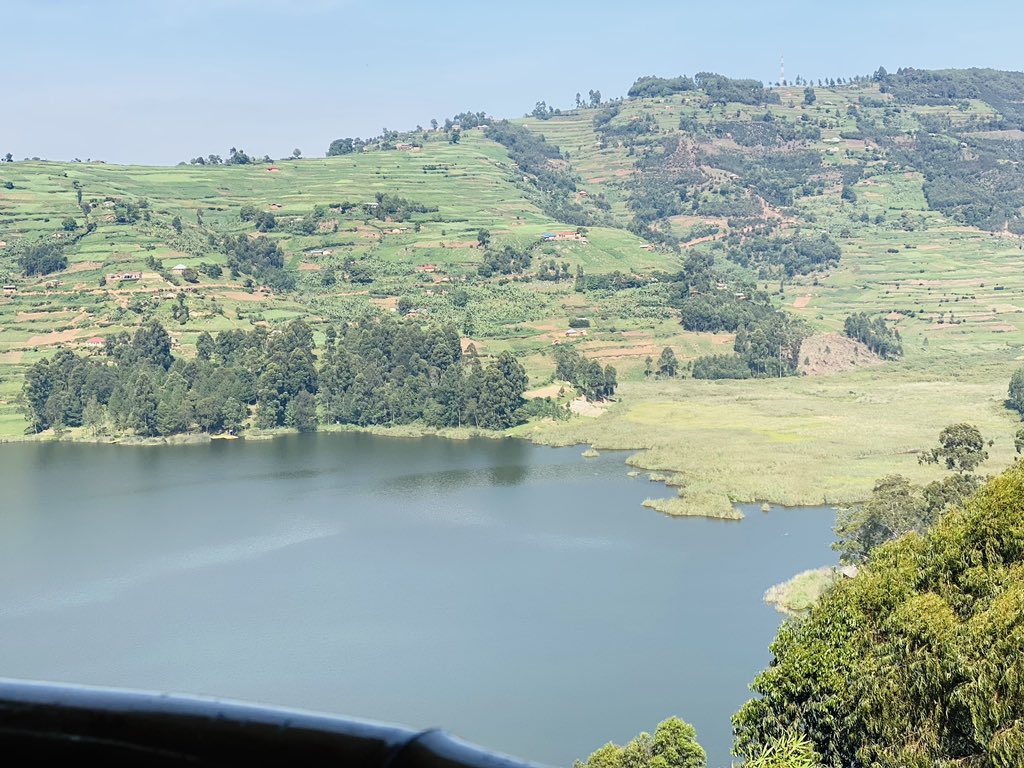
[{"x": 45, "y": 723}]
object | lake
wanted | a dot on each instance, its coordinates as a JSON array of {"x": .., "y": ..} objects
[{"x": 516, "y": 595}]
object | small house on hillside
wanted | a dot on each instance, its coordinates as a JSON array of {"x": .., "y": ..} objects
[
  {"x": 403, "y": 145},
  {"x": 10, "y": 289},
  {"x": 179, "y": 268},
  {"x": 95, "y": 341}
]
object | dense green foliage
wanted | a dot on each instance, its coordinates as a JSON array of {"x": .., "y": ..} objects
[
  {"x": 673, "y": 745},
  {"x": 722, "y": 89},
  {"x": 881, "y": 339},
  {"x": 373, "y": 372},
  {"x": 654, "y": 87},
  {"x": 917, "y": 661},
  {"x": 767, "y": 341},
  {"x": 43, "y": 259},
  {"x": 897, "y": 507},
  {"x": 260, "y": 257},
  {"x": 390, "y": 372},
  {"x": 961, "y": 448},
  {"x": 795, "y": 254},
  {"x": 592, "y": 381}
]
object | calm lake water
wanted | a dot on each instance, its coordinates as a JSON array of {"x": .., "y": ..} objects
[{"x": 516, "y": 595}]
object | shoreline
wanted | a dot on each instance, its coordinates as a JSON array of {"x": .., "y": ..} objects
[{"x": 679, "y": 505}]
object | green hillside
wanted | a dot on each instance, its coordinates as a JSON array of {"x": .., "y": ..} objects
[{"x": 703, "y": 196}]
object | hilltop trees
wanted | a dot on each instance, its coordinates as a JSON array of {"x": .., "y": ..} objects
[
  {"x": 344, "y": 146},
  {"x": 655, "y": 87}
]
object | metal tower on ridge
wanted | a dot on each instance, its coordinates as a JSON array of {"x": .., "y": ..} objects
[{"x": 782, "y": 70}]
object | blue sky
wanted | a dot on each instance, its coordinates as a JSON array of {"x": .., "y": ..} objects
[{"x": 158, "y": 81}]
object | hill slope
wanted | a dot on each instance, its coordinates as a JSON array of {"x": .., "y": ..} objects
[{"x": 893, "y": 196}]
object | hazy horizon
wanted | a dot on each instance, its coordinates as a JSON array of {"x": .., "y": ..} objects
[{"x": 178, "y": 79}]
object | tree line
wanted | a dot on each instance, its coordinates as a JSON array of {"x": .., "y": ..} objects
[{"x": 376, "y": 371}]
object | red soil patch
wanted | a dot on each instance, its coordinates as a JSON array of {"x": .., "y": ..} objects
[
  {"x": 305, "y": 266},
  {"x": 801, "y": 302}
]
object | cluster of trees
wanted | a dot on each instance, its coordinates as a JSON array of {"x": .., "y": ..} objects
[
  {"x": 542, "y": 111},
  {"x": 1004, "y": 91},
  {"x": 1015, "y": 396},
  {"x": 264, "y": 220},
  {"x": 43, "y": 258},
  {"x": 796, "y": 254},
  {"x": 875, "y": 334},
  {"x": 673, "y": 745},
  {"x": 897, "y": 507},
  {"x": 235, "y": 157},
  {"x": 138, "y": 386},
  {"x": 721, "y": 89},
  {"x": 627, "y": 131},
  {"x": 983, "y": 187},
  {"x": 592, "y": 381},
  {"x": 260, "y": 257},
  {"x": 778, "y": 177},
  {"x": 507, "y": 260},
  {"x": 395, "y": 208},
  {"x": 608, "y": 281},
  {"x": 552, "y": 271},
  {"x": 533, "y": 153},
  {"x": 917, "y": 660},
  {"x": 769, "y": 131},
  {"x": 371, "y": 372},
  {"x": 466, "y": 120},
  {"x": 593, "y": 100},
  {"x": 668, "y": 365},
  {"x": 649, "y": 86},
  {"x": 345, "y": 146},
  {"x": 768, "y": 346},
  {"x": 392, "y": 372}
]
